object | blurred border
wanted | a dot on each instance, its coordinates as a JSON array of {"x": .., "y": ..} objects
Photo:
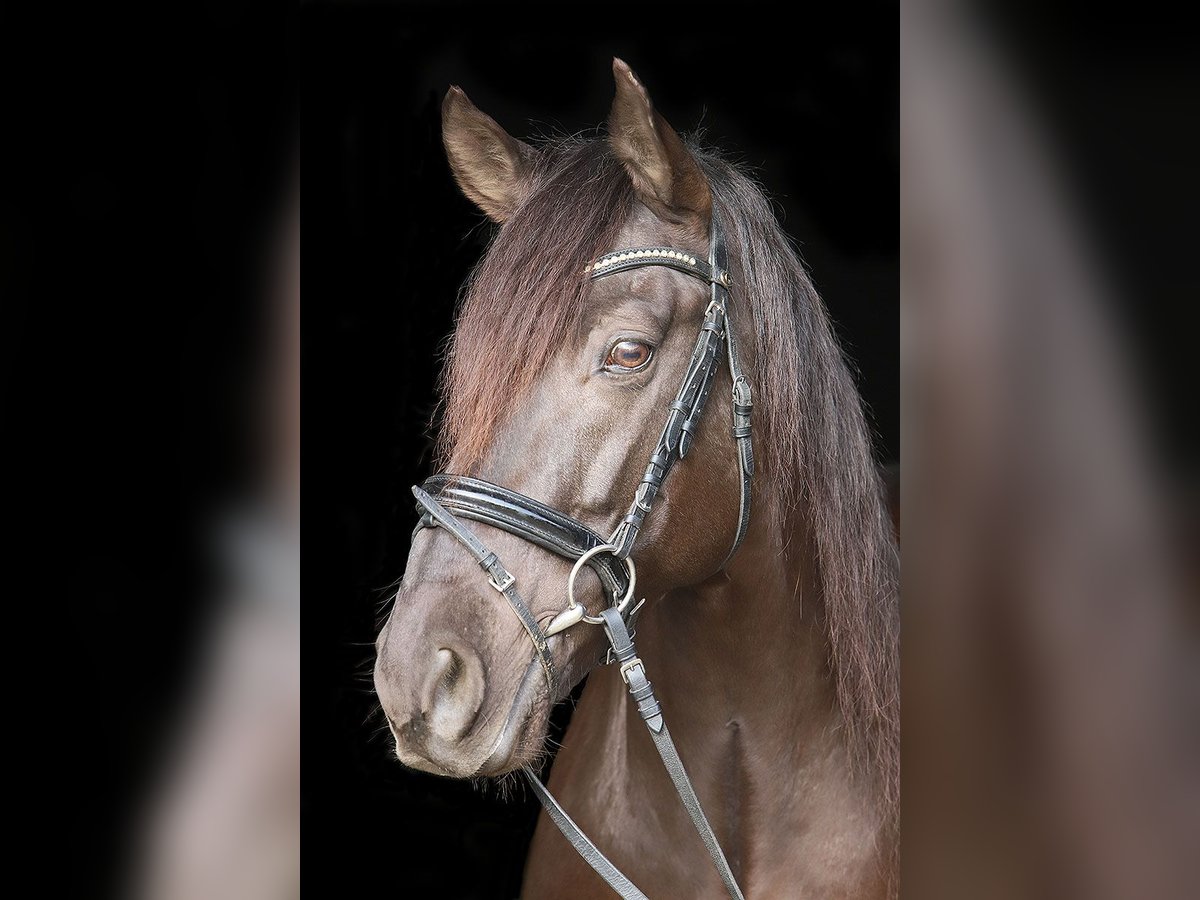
[{"x": 1050, "y": 655}]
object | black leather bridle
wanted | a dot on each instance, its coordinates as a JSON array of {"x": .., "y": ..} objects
[{"x": 445, "y": 500}]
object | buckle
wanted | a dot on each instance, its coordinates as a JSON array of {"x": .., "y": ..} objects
[
  {"x": 509, "y": 581},
  {"x": 635, "y": 663}
]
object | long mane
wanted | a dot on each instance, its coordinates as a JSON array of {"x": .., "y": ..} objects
[
  {"x": 813, "y": 438},
  {"x": 811, "y": 435}
]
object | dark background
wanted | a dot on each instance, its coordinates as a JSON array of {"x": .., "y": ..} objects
[
  {"x": 388, "y": 239},
  {"x": 1113, "y": 98},
  {"x": 149, "y": 162}
]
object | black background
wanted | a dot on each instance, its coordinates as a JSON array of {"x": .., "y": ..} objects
[
  {"x": 154, "y": 158},
  {"x": 388, "y": 239}
]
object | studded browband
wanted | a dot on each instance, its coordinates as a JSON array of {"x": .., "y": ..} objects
[{"x": 622, "y": 260}]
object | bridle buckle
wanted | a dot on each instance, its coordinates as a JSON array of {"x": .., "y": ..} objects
[
  {"x": 509, "y": 581},
  {"x": 635, "y": 663}
]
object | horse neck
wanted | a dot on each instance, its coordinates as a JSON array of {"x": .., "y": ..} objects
[
  {"x": 741, "y": 665},
  {"x": 743, "y": 653}
]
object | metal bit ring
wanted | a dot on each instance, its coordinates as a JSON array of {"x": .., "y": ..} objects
[{"x": 581, "y": 562}]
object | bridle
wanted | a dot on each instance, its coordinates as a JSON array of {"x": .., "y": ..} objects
[{"x": 445, "y": 500}]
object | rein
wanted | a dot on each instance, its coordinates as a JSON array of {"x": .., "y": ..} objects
[{"x": 444, "y": 500}]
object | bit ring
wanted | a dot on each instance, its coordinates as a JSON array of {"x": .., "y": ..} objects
[{"x": 579, "y": 564}]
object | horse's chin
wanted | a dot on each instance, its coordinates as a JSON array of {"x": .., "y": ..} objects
[{"x": 523, "y": 734}]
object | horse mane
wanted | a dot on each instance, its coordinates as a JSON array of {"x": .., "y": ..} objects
[
  {"x": 812, "y": 440},
  {"x": 812, "y": 436}
]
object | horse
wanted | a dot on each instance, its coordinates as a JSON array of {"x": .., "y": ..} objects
[{"x": 777, "y": 665}]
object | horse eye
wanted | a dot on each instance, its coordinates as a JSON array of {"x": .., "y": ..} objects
[{"x": 628, "y": 355}]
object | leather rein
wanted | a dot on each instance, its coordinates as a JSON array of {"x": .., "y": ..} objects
[{"x": 445, "y": 500}]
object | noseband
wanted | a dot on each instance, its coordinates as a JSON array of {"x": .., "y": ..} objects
[{"x": 445, "y": 500}]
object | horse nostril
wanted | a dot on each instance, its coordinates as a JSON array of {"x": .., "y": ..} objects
[
  {"x": 455, "y": 693},
  {"x": 447, "y": 667}
]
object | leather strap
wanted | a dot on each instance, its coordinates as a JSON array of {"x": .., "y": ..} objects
[
  {"x": 491, "y": 504},
  {"x": 677, "y": 436},
  {"x": 684, "y": 414},
  {"x": 636, "y": 258},
  {"x": 633, "y": 673},
  {"x": 499, "y": 577},
  {"x": 624, "y": 888},
  {"x": 743, "y": 401}
]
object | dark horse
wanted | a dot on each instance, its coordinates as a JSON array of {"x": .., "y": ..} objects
[{"x": 778, "y": 670}]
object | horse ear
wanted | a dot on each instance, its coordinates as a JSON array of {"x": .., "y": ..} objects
[
  {"x": 665, "y": 175},
  {"x": 491, "y": 166}
]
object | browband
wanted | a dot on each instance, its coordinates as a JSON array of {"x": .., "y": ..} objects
[{"x": 623, "y": 260}]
